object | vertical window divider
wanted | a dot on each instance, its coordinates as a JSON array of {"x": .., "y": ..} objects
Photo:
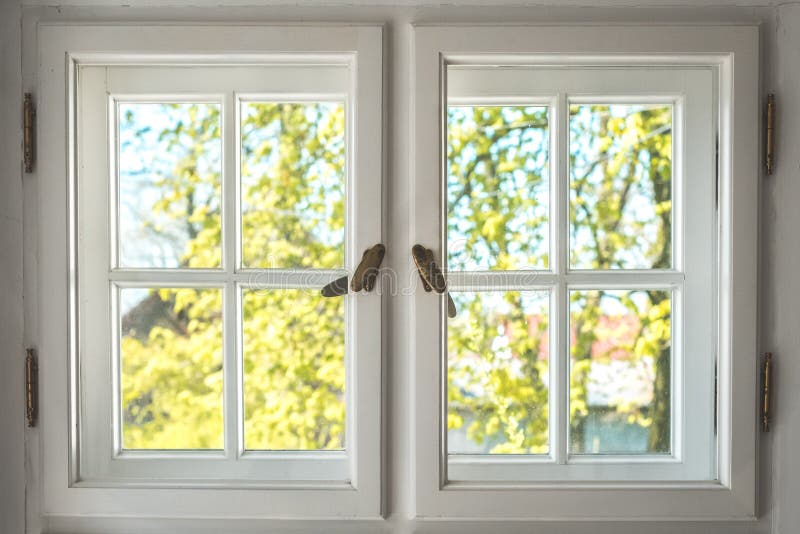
[
  {"x": 560, "y": 354},
  {"x": 351, "y": 258},
  {"x": 444, "y": 253},
  {"x": 230, "y": 313}
]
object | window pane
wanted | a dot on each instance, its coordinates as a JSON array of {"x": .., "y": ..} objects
[
  {"x": 294, "y": 372},
  {"x": 169, "y": 185},
  {"x": 620, "y": 186},
  {"x": 171, "y": 368},
  {"x": 498, "y": 373},
  {"x": 293, "y": 184},
  {"x": 620, "y": 347},
  {"x": 498, "y": 184}
]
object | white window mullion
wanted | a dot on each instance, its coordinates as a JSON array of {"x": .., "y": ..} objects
[
  {"x": 230, "y": 301},
  {"x": 559, "y": 354}
]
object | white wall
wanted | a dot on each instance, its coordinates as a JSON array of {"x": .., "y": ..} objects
[
  {"x": 12, "y": 414},
  {"x": 780, "y": 273},
  {"x": 780, "y": 295}
]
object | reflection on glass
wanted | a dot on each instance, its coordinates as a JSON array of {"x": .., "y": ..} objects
[
  {"x": 294, "y": 373},
  {"x": 498, "y": 184},
  {"x": 620, "y": 348},
  {"x": 497, "y": 361},
  {"x": 171, "y": 368},
  {"x": 293, "y": 184},
  {"x": 620, "y": 186},
  {"x": 169, "y": 185}
]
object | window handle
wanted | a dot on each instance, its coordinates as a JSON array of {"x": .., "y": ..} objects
[
  {"x": 364, "y": 276},
  {"x": 337, "y": 288},
  {"x": 432, "y": 277}
]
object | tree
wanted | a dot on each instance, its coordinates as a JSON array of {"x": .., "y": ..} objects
[
  {"x": 293, "y": 161},
  {"x": 620, "y": 217},
  {"x": 293, "y": 340}
]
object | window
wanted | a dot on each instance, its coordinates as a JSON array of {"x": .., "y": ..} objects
[
  {"x": 590, "y": 201},
  {"x": 227, "y": 213},
  {"x": 583, "y": 217},
  {"x": 213, "y": 196},
  {"x": 585, "y": 306}
]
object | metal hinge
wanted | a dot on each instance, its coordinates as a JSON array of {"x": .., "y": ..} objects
[
  {"x": 769, "y": 141},
  {"x": 28, "y": 134},
  {"x": 31, "y": 387},
  {"x": 766, "y": 391}
]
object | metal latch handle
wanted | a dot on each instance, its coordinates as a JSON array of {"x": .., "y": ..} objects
[
  {"x": 364, "y": 276},
  {"x": 432, "y": 277}
]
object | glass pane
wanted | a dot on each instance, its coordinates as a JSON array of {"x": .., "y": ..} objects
[
  {"x": 171, "y": 368},
  {"x": 293, "y": 184},
  {"x": 169, "y": 185},
  {"x": 620, "y": 348},
  {"x": 497, "y": 361},
  {"x": 620, "y": 186},
  {"x": 498, "y": 182},
  {"x": 294, "y": 372}
]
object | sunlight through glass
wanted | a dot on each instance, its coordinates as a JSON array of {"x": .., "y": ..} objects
[
  {"x": 294, "y": 372},
  {"x": 620, "y": 368},
  {"x": 171, "y": 368},
  {"x": 293, "y": 184},
  {"x": 497, "y": 361},
  {"x": 498, "y": 187},
  {"x": 620, "y": 160},
  {"x": 169, "y": 185}
]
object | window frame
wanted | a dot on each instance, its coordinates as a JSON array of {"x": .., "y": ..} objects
[
  {"x": 66, "y": 507},
  {"x": 101, "y": 89},
  {"x": 722, "y": 48},
  {"x": 62, "y": 49},
  {"x": 689, "y": 92}
]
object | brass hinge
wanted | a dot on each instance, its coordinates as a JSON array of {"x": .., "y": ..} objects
[
  {"x": 28, "y": 134},
  {"x": 766, "y": 391},
  {"x": 31, "y": 387},
  {"x": 769, "y": 142}
]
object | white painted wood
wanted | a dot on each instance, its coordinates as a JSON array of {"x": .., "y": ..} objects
[
  {"x": 690, "y": 92},
  {"x": 13, "y": 432},
  {"x": 732, "y": 495},
  {"x": 100, "y": 89},
  {"x": 399, "y": 449},
  {"x": 79, "y": 476},
  {"x": 410, "y": 4},
  {"x": 780, "y": 257}
]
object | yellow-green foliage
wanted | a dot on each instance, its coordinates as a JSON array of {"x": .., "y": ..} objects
[{"x": 293, "y": 340}]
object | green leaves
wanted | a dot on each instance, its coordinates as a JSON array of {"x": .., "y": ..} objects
[
  {"x": 293, "y": 200},
  {"x": 620, "y": 186},
  {"x": 293, "y": 341},
  {"x": 498, "y": 187},
  {"x": 496, "y": 367},
  {"x": 293, "y": 181},
  {"x": 172, "y": 377}
]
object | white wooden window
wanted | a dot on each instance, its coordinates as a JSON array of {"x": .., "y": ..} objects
[
  {"x": 673, "y": 284},
  {"x": 571, "y": 187},
  {"x": 655, "y": 179},
  {"x": 211, "y": 196}
]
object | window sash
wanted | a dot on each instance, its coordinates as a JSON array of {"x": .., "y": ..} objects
[
  {"x": 64, "y": 489},
  {"x": 99, "y": 198},
  {"x": 690, "y": 280},
  {"x": 715, "y": 49}
]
